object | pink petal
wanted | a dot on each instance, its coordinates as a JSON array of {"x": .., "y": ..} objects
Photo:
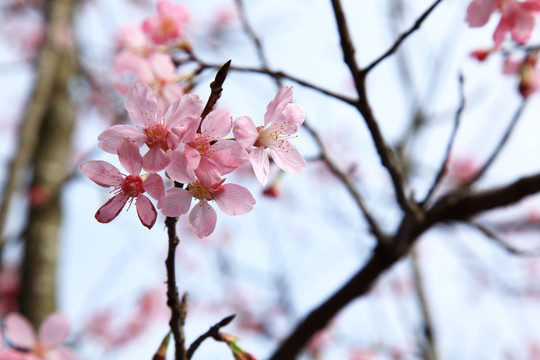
[
  {"x": 479, "y": 12},
  {"x": 102, "y": 173},
  {"x": 176, "y": 202},
  {"x": 203, "y": 219},
  {"x": 179, "y": 170},
  {"x": 188, "y": 109},
  {"x": 290, "y": 161},
  {"x": 234, "y": 199},
  {"x": 11, "y": 354},
  {"x": 155, "y": 159},
  {"x": 244, "y": 131},
  {"x": 208, "y": 173},
  {"x": 111, "y": 208},
  {"x": 19, "y": 331},
  {"x": 275, "y": 107},
  {"x": 162, "y": 65},
  {"x": 228, "y": 155},
  {"x": 146, "y": 211},
  {"x": 154, "y": 186},
  {"x": 129, "y": 156},
  {"x": 524, "y": 22},
  {"x": 293, "y": 117},
  {"x": 216, "y": 125},
  {"x": 53, "y": 330},
  {"x": 113, "y": 136},
  {"x": 171, "y": 92},
  {"x": 511, "y": 66},
  {"x": 141, "y": 105},
  {"x": 260, "y": 163},
  {"x": 193, "y": 156}
]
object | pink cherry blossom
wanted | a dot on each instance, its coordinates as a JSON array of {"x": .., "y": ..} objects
[
  {"x": 134, "y": 40},
  {"x": 281, "y": 122},
  {"x": 157, "y": 71},
  {"x": 159, "y": 132},
  {"x": 208, "y": 151},
  {"x": 43, "y": 345},
  {"x": 517, "y": 18},
  {"x": 126, "y": 187},
  {"x": 169, "y": 23},
  {"x": 232, "y": 199}
]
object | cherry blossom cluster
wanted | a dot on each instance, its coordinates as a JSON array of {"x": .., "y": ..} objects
[
  {"x": 195, "y": 153},
  {"x": 144, "y": 52},
  {"x": 517, "y": 19}
]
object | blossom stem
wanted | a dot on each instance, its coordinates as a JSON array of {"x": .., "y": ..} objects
[{"x": 178, "y": 307}]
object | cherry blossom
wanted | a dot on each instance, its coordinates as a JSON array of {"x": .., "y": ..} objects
[
  {"x": 281, "y": 122},
  {"x": 159, "y": 132},
  {"x": 157, "y": 71},
  {"x": 232, "y": 199},
  {"x": 43, "y": 345},
  {"x": 169, "y": 23},
  {"x": 208, "y": 151},
  {"x": 517, "y": 18},
  {"x": 126, "y": 187}
]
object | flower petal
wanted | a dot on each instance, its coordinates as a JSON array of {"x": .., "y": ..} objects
[
  {"x": 113, "y": 136},
  {"x": 155, "y": 159},
  {"x": 179, "y": 170},
  {"x": 154, "y": 186},
  {"x": 141, "y": 104},
  {"x": 188, "y": 109},
  {"x": 19, "y": 331},
  {"x": 146, "y": 211},
  {"x": 203, "y": 219},
  {"x": 102, "y": 173},
  {"x": 129, "y": 156},
  {"x": 111, "y": 208},
  {"x": 260, "y": 163},
  {"x": 53, "y": 330},
  {"x": 479, "y": 12},
  {"x": 234, "y": 199},
  {"x": 290, "y": 161},
  {"x": 275, "y": 108},
  {"x": 61, "y": 353},
  {"x": 244, "y": 131},
  {"x": 216, "y": 125},
  {"x": 176, "y": 202}
]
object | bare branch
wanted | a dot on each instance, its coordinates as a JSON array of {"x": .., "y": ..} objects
[
  {"x": 444, "y": 164},
  {"x": 402, "y": 38},
  {"x": 212, "y": 332},
  {"x": 386, "y": 155},
  {"x": 500, "y": 242},
  {"x": 499, "y": 146}
]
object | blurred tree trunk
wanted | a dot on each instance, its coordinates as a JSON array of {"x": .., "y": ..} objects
[{"x": 50, "y": 167}]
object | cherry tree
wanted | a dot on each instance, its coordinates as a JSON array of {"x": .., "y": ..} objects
[{"x": 374, "y": 160}]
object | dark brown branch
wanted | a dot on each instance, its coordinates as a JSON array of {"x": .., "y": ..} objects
[
  {"x": 212, "y": 332},
  {"x": 454, "y": 207},
  {"x": 402, "y": 38},
  {"x": 499, "y": 146},
  {"x": 386, "y": 155},
  {"x": 444, "y": 164},
  {"x": 177, "y": 306}
]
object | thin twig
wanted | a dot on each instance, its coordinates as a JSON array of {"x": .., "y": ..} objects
[
  {"x": 276, "y": 75},
  {"x": 500, "y": 242},
  {"x": 178, "y": 308},
  {"x": 444, "y": 164},
  {"x": 499, "y": 146},
  {"x": 212, "y": 332},
  {"x": 430, "y": 349},
  {"x": 402, "y": 38}
]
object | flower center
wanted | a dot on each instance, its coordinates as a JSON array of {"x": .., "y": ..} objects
[
  {"x": 132, "y": 186},
  {"x": 156, "y": 135},
  {"x": 199, "y": 191},
  {"x": 202, "y": 145},
  {"x": 274, "y": 137}
]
